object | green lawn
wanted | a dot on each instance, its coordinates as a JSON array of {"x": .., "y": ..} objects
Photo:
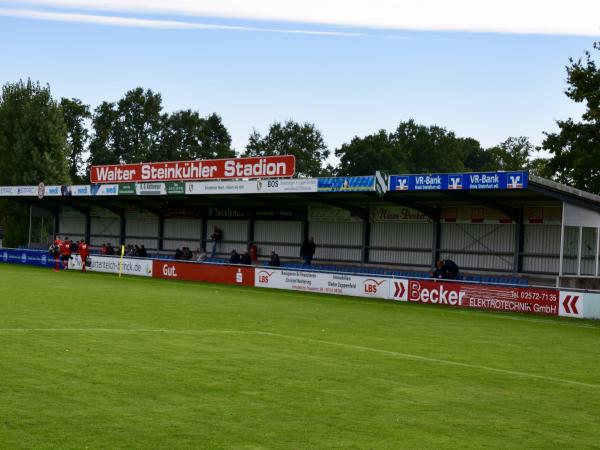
[{"x": 93, "y": 361}]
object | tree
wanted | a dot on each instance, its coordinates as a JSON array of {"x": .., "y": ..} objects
[
  {"x": 576, "y": 147},
  {"x": 187, "y": 136},
  {"x": 512, "y": 154},
  {"x": 75, "y": 113},
  {"x": 33, "y": 147},
  {"x": 304, "y": 141},
  {"x": 412, "y": 148},
  {"x": 128, "y": 131},
  {"x": 363, "y": 156}
]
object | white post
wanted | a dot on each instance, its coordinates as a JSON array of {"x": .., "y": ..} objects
[
  {"x": 562, "y": 241},
  {"x": 579, "y": 252},
  {"x": 597, "y": 249}
]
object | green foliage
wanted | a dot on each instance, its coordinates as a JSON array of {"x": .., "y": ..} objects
[
  {"x": 33, "y": 148},
  {"x": 91, "y": 360},
  {"x": 412, "y": 148},
  {"x": 576, "y": 147},
  {"x": 304, "y": 141},
  {"x": 75, "y": 113},
  {"x": 512, "y": 154},
  {"x": 128, "y": 131},
  {"x": 33, "y": 136},
  {"x": 367, "y": 155},
  {"x": 187, "y": 136}
]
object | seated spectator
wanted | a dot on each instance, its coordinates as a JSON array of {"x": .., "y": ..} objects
[
  {"x": 201, "y": 256},
  {"x": 143, "y": 253},
  {"x": 187, "y": 254},
  {"x": 109, "y": 249},
  {"x": 178, "y": 254},
  {"x": 103, "y": 249},
  {"x": 446, "y": 269},
  {"x": 245, "y": 259},
  {"x": 274, "y": 261},
  {"x": 235, "y": 257}
]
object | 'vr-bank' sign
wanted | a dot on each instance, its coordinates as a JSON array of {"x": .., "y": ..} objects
[{"x": 459, "y": 181}]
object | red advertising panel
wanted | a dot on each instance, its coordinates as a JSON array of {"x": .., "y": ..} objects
[
  {"x": 497, "y": 298},
  {"x": 210, "y": 169},
  {"x": 211, "y": 273}
]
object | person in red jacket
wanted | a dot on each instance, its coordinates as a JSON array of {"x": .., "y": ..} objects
[
  {"x": 84, "y": 251},
  {"x": 65, "y": 253}
]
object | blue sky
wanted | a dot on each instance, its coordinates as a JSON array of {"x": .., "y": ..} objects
[{"x": 360, "y": 78}]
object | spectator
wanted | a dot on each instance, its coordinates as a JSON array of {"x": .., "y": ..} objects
[
  {"x": 201, "y": 256},
  {"x": 186, "y": 254},
  {"x": 143, "y": 253},
  {"x": 109, "y": 249},
  {"x": 216, "y": 237},
  {"x": 274, "y": 261},
  {"x": 104, "y": 249},
  {"x": 245, "y": 259},
  {"x": 235, "y": 257},
  {"x": 178, "y": 254},
  {"x": 446, "y": 269},
  {"x": 308, "y": 250}
]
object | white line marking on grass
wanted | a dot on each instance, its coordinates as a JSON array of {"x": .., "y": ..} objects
[{"x": 316, "y": 341}]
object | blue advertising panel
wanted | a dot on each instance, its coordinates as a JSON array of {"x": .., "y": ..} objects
[
  {"x": 347, "y": 184},
  {"x": 29, "y": 257},
  {"x": 459, "y": 181}
]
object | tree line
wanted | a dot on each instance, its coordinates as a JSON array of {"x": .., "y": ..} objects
[{"x": 56, "y": 140}]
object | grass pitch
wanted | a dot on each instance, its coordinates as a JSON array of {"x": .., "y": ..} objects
[{"x": 92, "y": 361}]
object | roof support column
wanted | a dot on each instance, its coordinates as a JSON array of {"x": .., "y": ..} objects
[
  {"x": 366, "y": 239},
  {"x": 161, "y": 230},
  {"x": 88, "y": 226},
  {"x": 204, "y": 237},
  {"x": 122, "y": 228},
  {"x": 251, "y": 219},
  {"x": 519, "y": 242},
  {"x": 436, "y": 241}
]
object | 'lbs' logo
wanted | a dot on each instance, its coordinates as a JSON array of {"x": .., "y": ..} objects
[
  {"x": 371, "y": 286},
  {"x": 263, "y": 276}
]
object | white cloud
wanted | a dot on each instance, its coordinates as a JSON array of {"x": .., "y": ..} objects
[
  {"x": 574, "y": 17},
  {"x": 151, "y": 23}
]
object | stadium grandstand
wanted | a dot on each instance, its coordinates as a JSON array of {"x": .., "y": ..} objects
[{"x": 503, "y": 227}]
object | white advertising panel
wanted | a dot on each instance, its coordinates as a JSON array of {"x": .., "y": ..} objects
[
  {"x": 571, "y": 304},
  {"x": 150, "y": 189},
  {"x": 18, "y": 191},
  {"x": 131, "y": 266},
  {"x": 251, "y": 187},
  {"x": 326, "y": 283}
]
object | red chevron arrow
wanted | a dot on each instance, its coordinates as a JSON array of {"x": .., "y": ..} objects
[
  {"x": 399, "y": 289},
  {"x": 570, "y": 304}
]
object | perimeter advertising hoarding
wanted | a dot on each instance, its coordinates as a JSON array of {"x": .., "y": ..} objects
[
  {"x": 325, "y": 283},
  {"x": 211, "y": 273},
  {"x": 496, "y": 298},
  {"x": 347, "y": 184},
  {"x": 29, "y": 257},
  {"x": 107, "y": 264},
  {"x": 459, "y": 181},
  {"x": 211, "y": 169},
  {"x": 252, "y": 187}
]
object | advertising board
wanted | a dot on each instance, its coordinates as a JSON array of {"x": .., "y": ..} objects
[
  {"x": 459, "y": 181},
  {"x": 29, "y": 257},
  {"x": 251, "y": 187},
  {"x": 211, "y": 273},
  {"x": 496, "y": 298},
  {"x": 326, "y": 283},
  {"x": 347, "y": 184},
  {"x": 107, "y": 264},
  {"x": 211, "y": 169}
]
